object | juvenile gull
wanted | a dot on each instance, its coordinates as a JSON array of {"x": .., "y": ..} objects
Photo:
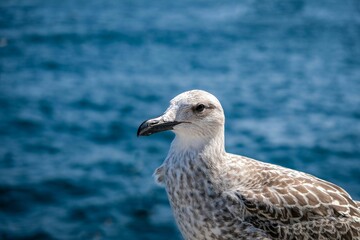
[{"x": 218, "y": 195}]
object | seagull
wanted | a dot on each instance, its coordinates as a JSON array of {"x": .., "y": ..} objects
[{"x": 215, "y": 195}]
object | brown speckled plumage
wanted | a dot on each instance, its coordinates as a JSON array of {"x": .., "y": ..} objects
[{"x": 217, "y": 195}]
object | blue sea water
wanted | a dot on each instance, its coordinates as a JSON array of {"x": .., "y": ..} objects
[{"x": 78, "y": 77}]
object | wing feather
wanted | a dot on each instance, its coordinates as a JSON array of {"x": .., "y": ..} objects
[{"x": 286, "y": 203}]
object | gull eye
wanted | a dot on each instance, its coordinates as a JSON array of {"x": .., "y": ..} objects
[{"x": 199, "y": 108}]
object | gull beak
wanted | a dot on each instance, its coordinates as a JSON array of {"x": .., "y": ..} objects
[{"x": 155, "y": 125}]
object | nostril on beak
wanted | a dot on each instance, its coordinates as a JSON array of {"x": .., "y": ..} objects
[{"x": 153, "y": 122}]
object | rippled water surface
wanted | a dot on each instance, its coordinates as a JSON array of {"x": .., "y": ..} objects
[{"x": 78, "y": 77}]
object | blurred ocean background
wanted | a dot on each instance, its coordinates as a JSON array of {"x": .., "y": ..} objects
[{"x": 78, "y": 77}]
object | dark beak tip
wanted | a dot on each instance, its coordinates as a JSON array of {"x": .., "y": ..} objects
[
  {"x": 139, "y": 132},
  {"x": 142, "y": 129}
]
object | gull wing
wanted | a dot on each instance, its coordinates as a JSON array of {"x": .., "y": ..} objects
[{"x": 290, "y": 204}]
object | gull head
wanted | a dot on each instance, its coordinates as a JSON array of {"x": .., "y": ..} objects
[{"x": 193, "y": 114}]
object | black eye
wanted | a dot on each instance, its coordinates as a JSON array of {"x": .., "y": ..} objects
[{"x": 199, "y": 108}]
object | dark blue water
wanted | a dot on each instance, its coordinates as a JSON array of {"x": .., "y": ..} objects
[{"x": 78, "y": 77}]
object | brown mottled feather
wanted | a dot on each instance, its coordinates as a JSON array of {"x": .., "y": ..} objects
[{"x": 300, "y": 206}]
